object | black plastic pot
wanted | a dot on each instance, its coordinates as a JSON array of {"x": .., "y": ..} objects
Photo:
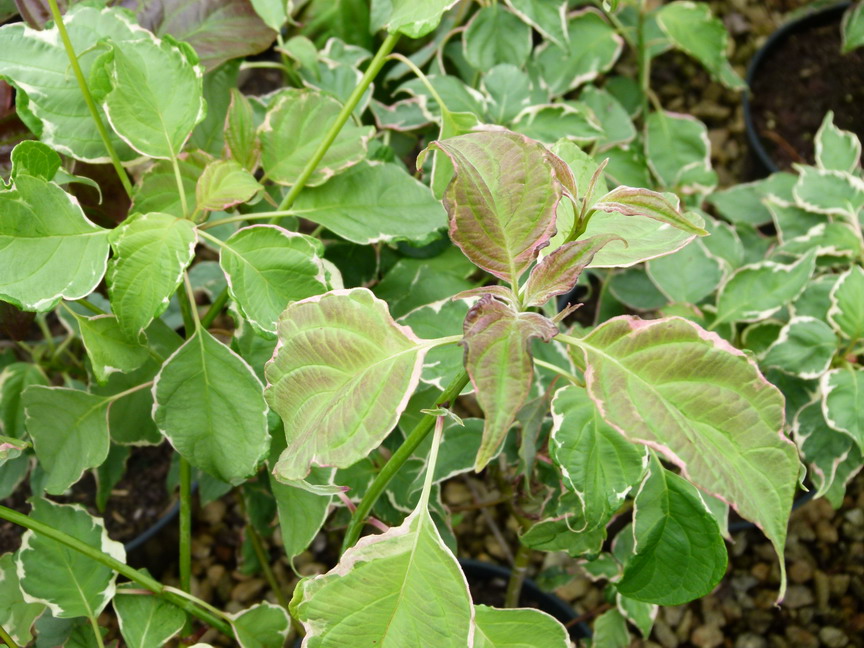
[
  {"x": 154, "y": 529},
  {"x": 815, "y": 17}
]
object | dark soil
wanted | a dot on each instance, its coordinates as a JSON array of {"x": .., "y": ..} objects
[
  {"x": 799, "y": 81},
  {"x": 138, "y": 500}
]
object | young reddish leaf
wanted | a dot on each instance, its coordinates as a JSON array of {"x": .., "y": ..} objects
[
  {"x": 631, "y": 201},
  {"x": 502, "y": 200},
  {"x": 342, "y": 374},
  {"x": 558, "y": 272},
  {"x": 497, "y": 342},
  {"x": 704, "y": 405}
]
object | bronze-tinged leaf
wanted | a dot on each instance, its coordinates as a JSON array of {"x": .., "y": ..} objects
[
  {"x": 558, "y": 272},
  {"x": 632, "y": 201},
  {"x": 342, "y": 374},
  {"x": 498, "y": 360},
  {"x": 502, "y": 199}
]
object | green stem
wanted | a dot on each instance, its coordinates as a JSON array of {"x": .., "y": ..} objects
[
  {"x": 558, "y": 370},
  {"x": 185, "y": 525},
  {"x": 95, "y": 625},
  {"x": 88, "y": 98},
  {"x": 215, "y": 308},
  {"x": 517, "y": 576},
  {"x": 239, "y": 218},
  {"x": 354, "y": 99},
  {"x": 180, "y": 190},
  {"x": 424, "y": 80},
  {"x": 263, "y": 559},
  {"x": 190, "y": 605},
  {"x": 644, "y": 59},
  {"x": 414, "y": 439},
  {"x": 93, "y": 308},
  {"x": 7, "y": 639}
]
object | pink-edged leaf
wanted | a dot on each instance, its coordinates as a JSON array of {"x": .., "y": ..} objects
[
  {"x": 705, "y": 406},
  {"x": 503, "y": 293},
  {"x": 223, "y": 184},
  {"x": 342, "y": 373},
  {"x": 558, "y": 272},
  {"x": 241, "y": 139},
  {"x": 499, "y": 363},
  {"x": 631, "y": 201},
  {"x": 502, "y": 199}
]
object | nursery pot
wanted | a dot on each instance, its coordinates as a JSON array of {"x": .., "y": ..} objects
[{"x": 794, "y": 79}]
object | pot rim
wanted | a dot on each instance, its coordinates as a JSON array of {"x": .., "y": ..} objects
[{"x": 774, "y": 40}]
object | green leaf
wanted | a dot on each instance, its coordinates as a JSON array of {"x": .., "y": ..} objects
[
  {"x": 556, "y": 534},
  {"x": 498, "y": 360},
  {"x": 139, "y": 288},
  {"x": 694, "y": 30},
  {"x": 791, "y": 220},
  {"x": 709, "y": 411},
  {"x": 267, "y": 268},
  {"x": 610, "y": 630},
  {"x": 744, "y": 203},
  {"x": 846, "y": 313},
  {"x": 631, "y": 201},
  {"x": 11, "y": 448},
  {"x": 508, "y": 91},
  {"x": 679, "y": 152},
  {"x": 493, "y": 36},
  {"x": 414, "y": 18},
  {"x": 209, "y": 135},
  {"x": 679, "y": 553},
  {"x": 843, "y": 402},
  {"x": 50, "y": 250},
  {"x": 14, "y": 379},
  {"x": 37, "y": 64},
  {"x": 109, "y": 349},
  {"x": 836, "y": 149},
  {"x": 400, "y": 588},
  {"x": 296, "y": 124},
  {"x": 592, "y": 48},
  {"x": 804, "y": 348},
  {"x": 501, "y": 201},
  {"x": 371, "y": 203},
  {"x": 16, "y": 615},
  {"x": 209, "y": 405},
  {"x": 558, "y": 272},
  {"x": 759, "y": 290},
  {"x": 641, "y": 615},
  {"x": 829, "y": 192},
  {"x": 263, "y": 625},
  {"x": 225, "y": 184},
  {"x": 147, "y": 621},
  {"x": 412, "y": 283},
  {"x": 689, "y": 275},
  {"x": 154, "y": 118},
  {"x": 550, "y": 122},
  {"x": 517, "y": 628},
  {"x": 646, "y": 238},
  {"x": 439, "y": 319},
  {"x": 341, "y": 376},
  {"x": 274, "y": 13},
  {"x": 301, "y": 512},
  {"x": 548, "y": 18},
  {"x": 86, "y": 586},
  {"x": 597, "y": 464},
  {"x": 218, "y": 30},
  {"x": 618, "y": 128},
  {"x": 34, "y": 159},
  {"x": 69, "y": 429},
  {"x": 157, "y": 189},
  {"x": 852, "y": 27},
  {"x": 832, "y": 457},
  {"x": 241, "y": 138}
]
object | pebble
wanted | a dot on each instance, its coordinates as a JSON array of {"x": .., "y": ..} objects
[
  {"x": 800, "y": 571},
  {"x": 833, "y": 637},
  {"x": 707, "y": 636},
  {"x": 664, "y": 634},
  {"x": 826, "y": 532},
  {"x": 801, "y": 638},
  {"x": 213, "y": 513},
  {"x": 822, "y": 587},
  {"x": 245, "y": 591},
  {"x": 839, "y": 584},
  {"x": 750, "y": 640},
  {"x": 798, "y": 596}
]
